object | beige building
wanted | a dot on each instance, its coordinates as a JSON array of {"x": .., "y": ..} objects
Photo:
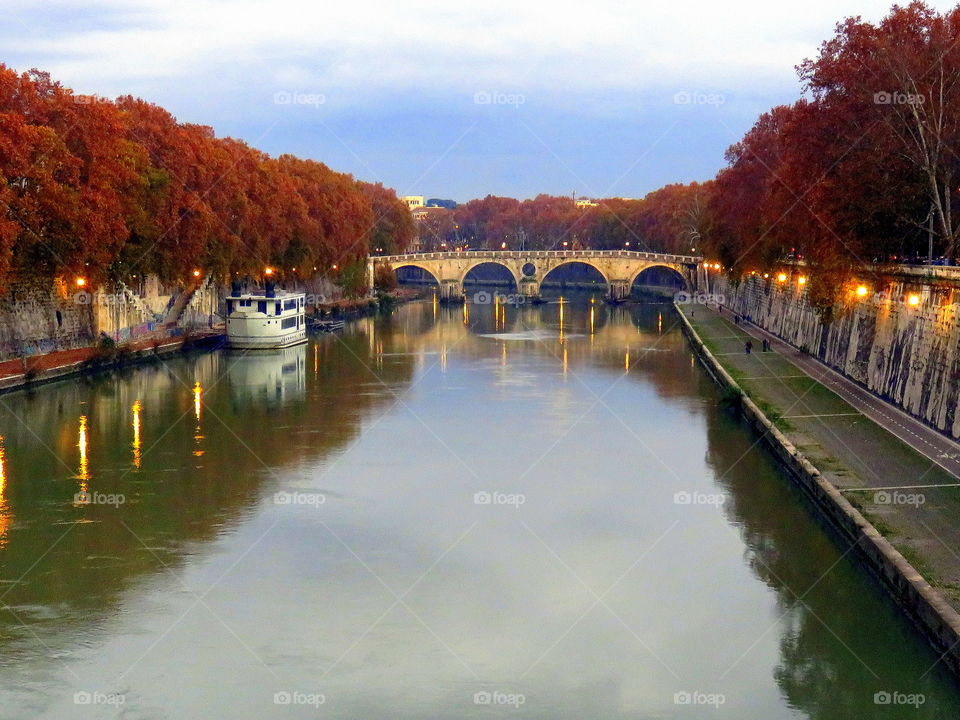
[{"x": 413, "y": 201}]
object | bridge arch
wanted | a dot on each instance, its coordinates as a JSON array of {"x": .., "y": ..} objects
[
  {"x": 486, "y": 261},
  {"x": 574, "y": 261},
  {"x": 677, "y": 273},
  {"x": 419, "y": 266}
]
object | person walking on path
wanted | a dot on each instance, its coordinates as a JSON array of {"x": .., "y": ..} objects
[{"x": 748, "y": 346}]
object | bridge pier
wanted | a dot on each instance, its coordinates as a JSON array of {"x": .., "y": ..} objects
[
  {"x": 451, "y": 291},
  {"x": 530, "y": 289},
  {"x": 618, "y": 290}
]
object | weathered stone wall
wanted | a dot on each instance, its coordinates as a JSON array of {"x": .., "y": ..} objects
[
  {"x": 906, "y": 354},
  {"x": 37, "y": 318}
]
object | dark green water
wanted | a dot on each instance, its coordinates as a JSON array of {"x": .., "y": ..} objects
[{"x": 535, "y": 512}]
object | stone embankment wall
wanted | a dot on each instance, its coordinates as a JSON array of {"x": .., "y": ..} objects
[
  {"x": 922, "y": 603},
  {"x": 908, "y": 354},
  {"x": 40, "y": 318}
]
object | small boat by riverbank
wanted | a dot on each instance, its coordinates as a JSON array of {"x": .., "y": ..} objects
[
  {"x": 325, "y": 324},
  {"x": 271, "y": 320}
]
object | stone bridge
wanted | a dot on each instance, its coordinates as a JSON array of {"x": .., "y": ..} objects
[{"x": 529, "y": 268}]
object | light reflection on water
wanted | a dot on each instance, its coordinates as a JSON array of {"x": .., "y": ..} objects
[{"x": 402, "y": 575}]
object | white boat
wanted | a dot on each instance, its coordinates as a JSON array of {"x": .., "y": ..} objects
[{"x": 273, "y": 319}]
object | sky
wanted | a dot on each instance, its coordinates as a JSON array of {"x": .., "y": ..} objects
[{"x": 448, "y": 99}]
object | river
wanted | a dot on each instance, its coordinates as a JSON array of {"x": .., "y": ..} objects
[{"x": 444, "y": 512}]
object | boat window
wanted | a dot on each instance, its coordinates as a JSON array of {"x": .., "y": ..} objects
[
  {"x": 246, "y": 303},
  {"x": 289, "y": 304},
  {"x": 230, "y": 307},
  {"x": 277, "y": 309},
  {"x": 288, "y": 323},
  {"x": 262, "y": 306}
]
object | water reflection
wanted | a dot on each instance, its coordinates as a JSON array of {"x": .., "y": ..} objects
[
  {"x": 597, "y": 414},
  {"x": 271, "y": 377}
]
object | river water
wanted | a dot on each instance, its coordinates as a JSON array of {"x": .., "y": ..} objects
[{"x": 444, "y": 512}]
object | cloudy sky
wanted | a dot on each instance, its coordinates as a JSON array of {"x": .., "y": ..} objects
[{"x": 447, "y": 99}]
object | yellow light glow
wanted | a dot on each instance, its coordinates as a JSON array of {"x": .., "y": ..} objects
[
  {"x": 862, "y": 290},
  {"x": 268, "y": 271},
  {"x": 197, "y": 397},
  {"x": 766, "y": 275},
  {"x": 81, "y": 282},
  {"x": 5, "y": 517},
  {"x": 196, "y": 273},
  {"x": 802, "y": 280},
  {"x": 136, "y": 433},
  {"x": 914, "y": 299},
  {"x": 334, "y": 267},
  {"x": 782, "y": 277},
  {"x": 84, "y": 473}
]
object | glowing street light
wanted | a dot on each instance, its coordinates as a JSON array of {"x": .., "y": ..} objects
[
  {"x": 81, "y": 282},
  {"x": 914, "y": 299},
  {"x": 196, "y": 273},
  {"x": 782, "y": 277},
  {"x": 268, "y": 271},
  {"x": 802, "y": 280},
  {"x": 862, "y": 290}
]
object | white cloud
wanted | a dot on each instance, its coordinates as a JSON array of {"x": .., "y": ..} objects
[{"x": 370, "y": 45}]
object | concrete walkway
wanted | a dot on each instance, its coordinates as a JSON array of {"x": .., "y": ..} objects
[{"x": 903, "y": 475}]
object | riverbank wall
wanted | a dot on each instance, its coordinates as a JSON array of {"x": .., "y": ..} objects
[
  {"x": 932, "y": 614},
  {"x": 901, "y": 340},
  {"x": 38, "y": 318}
]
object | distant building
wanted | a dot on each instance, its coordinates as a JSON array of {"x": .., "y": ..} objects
[
  {"x": 413, "y": 201},
  {"x": 585, "y": 202}
]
